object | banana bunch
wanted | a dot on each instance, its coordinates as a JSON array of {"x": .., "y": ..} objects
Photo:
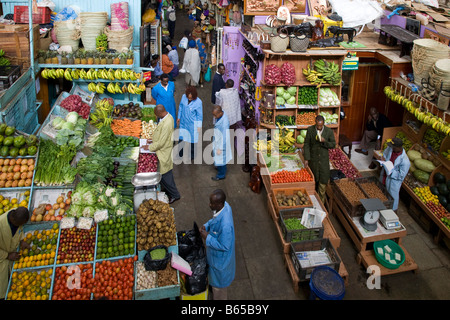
[
  {"x": 114, "y": 87},
  {"x": 53, "y": 73},
  {"x": 97, "y": 87},
  {"x": 285, "y": 140},
  {"x": 313, "y": 76},
  {"x": 428, "y": 118},
  {"x": 102, "y": 114},
  {"x": 329, "y": 70},
  {"x": 68, "y": 75},
  {"x": 135, "y": 89},
  {"x": 264, "y": 146}
]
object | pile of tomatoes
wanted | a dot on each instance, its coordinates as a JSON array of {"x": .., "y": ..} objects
[
  {"x": 285, "y": 176},
  {"x": 114, "y": 280}
]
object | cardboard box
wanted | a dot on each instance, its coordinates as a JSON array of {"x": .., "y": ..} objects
[{"x": 45, "y": 40}]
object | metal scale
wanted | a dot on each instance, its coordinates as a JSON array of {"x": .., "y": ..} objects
[
  {"x": 146, "y": 187},
  {"x": 377, "y": 211}
]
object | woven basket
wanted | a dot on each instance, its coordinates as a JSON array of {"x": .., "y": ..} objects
[
  {"x": 92, "y": 25},
  {"x": 424, "y": 55},
  {"x": 298, "y": 43},
  {"x": 279, "y": 42},
  {"x": 440, "y": 75},
  {"x": 68, "y": 33},
  {"x": 119, "y": 40}
]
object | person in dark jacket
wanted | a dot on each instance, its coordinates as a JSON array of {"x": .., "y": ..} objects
[
  {"x": 374, "y": 131},
  {"x": 319, "y": 139},
  {"x": 218, "y": 82}
]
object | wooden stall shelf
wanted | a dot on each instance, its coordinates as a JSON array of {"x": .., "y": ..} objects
[{"x": 15, "y": 42}]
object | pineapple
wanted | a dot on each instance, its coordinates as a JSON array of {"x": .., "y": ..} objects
[
  {"x": 116, "y": 58},
  {"x": 123, "y": 58},
  {"x": 103, "y": 59},
  {"x": 55, "y": 59},
  {"x": 109, "y": 58},
  {"x": 96, "y": 57},
  {"x": 63, "y": 57},
  {"x": 70, "y": 58},
  {"x": 48, "y": 57},
  {"x": 130, "y": 55},
  {"x": 41, "y": 56},
  {"x": 83, "y": 58},
  {"x": 77, "y": 57},
  {"x": 90, "y": 57}
]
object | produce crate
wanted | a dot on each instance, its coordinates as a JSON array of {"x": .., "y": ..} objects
[
  {"x": 388, "y": 202},
  {"x": 13, "y": 280},
  {"x": 350, "y": 209},
  {"x": 47, "y": 196},
  {"x": 15, "y": 42},
  {"x": 8, "y": 75},
  {"x": 297, "y": 235},
  {"x": 12, "y": 187},
  {"x": 171, "y": 291},
  {"x": 323, "y": 244},
  {"x": 289, "y": 192},
  {"x": 18, "y": 194},
  {"x": 90, "y": 98},
  {"x": 42, "y": 16}
]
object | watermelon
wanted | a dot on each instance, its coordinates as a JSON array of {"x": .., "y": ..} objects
[
  {"x": 439, "y": 178},
  {"x": 424, "y": 165},
  {"x": 443, "y": 190},
  {"x": 422, "y": 176},
  {"x": 443, "y": 201},
  {"x": 434, "y": 190}
]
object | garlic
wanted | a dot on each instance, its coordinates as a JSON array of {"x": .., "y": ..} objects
[{"x": 147, "y": 129}]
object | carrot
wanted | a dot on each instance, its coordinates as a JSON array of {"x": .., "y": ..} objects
[{"x": 127, "y": 127}]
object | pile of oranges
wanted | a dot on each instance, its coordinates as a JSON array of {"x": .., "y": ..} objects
[
  {"x": 30, "y": 285},
  {"x": 42, "y": 249},
  {"x": 425, "y": 195}
]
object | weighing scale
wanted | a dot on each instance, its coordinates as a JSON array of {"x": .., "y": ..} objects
[
  {"x": 389, "y": 219},
  {"x": 370, "y": 218},
  {"x": 146, "y": 187}
]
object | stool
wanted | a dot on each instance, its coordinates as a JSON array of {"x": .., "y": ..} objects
[{"x": 345, "y": 142}]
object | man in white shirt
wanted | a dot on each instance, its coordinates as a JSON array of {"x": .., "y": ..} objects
[{"x": 228, "y": 99}]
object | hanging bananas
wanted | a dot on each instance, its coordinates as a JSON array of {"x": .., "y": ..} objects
[{"x": 91, "y": 74}]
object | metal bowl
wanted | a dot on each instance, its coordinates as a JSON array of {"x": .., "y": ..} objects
[{"x": 146, "y": 179}]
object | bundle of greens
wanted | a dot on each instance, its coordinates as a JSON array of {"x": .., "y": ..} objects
[
  {"x": 53, "y": 167},
  {"x": 95, "y": 168},
  {"x": 87, "y": 199},
  {"x": 107, "y": 143}
]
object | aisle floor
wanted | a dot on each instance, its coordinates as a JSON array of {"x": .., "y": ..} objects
[{"x": 260, "y": 267}]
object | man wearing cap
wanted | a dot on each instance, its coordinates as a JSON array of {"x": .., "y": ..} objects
[{"x": 393, "y": 177}]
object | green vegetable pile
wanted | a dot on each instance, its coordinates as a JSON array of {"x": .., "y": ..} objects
[
  {"x": 307, "y": 96},
  {"x": 284, "y": 120},
  {"x": 105, "y": 142},
  {"x": 148, "y": 114},
  {"x": 285, "y": 96},
  {"x": 3, "y": 60},
  {"x": 95, "y": 168},
  {"x": 53, "y": 167},
  {"x": 295, "y": 224},
  {"x": 70, "y": 130},
  {"x": 433, "y": 139},
  {"x": 158, "y": 254},
  {"x": 116, "y": 237},
  {"x": 19, "y": 145}
]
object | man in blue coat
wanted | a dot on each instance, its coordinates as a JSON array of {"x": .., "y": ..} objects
[
  {"x": 218, "y": 234},
  {"x": 221, "y": 142},
  {"x": 394, "y": 179},
  {"x": 164, "y": 93}
]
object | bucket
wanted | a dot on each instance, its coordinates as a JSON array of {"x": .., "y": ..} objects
[
  {"x": 326, "y": 284},
  {"x": 424, "y": 55}
]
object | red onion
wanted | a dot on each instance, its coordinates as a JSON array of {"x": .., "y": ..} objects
[
  {"x": 148, "y": 162},
  {"x": 288, "y": 73},
  {"x": 272, "y": 74},
  {"x": 340, "y": 161}
]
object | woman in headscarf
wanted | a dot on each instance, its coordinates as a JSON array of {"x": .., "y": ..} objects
[
  {"x": 204, "y": 60},
  {"x": 192, "y": 64}
]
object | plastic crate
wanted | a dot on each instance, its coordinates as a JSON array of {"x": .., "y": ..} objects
[
  {"x": 47, "y": 196},
  {"x": 8, "y": 75},
  {"x": 388, "y": 201},
  {"x": 324, "y": 244},
  {"x": 21, "y": 15},
  {"x": 34, "y": 272},
  {"x": 297, "y": 234},
  {"x": 18, "y": 194}
]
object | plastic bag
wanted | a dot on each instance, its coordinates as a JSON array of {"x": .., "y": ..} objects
[
  {"x": 336, "y": 174},
  {"x": 148, "y": 16},
  {"x": 198, "y": 281},
  {"x": 356, "y": 13},
  {"x": 68, "y": 13},
  {"x": 155, "y": 265},
  {"x": 207, "y": 76},
  {"x": 189, "y": 242}
]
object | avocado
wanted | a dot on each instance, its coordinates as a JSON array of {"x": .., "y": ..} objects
[
  {"x": 4, "y": 151},
  {"x": 13, "y": 152},
  {"x": 3, "y": 127},
  {"x": 8, "y": 141}
]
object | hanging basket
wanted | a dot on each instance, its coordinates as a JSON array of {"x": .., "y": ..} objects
[
  {"x": 119, "y": 40},
  {"x": 440, "y": 75}
]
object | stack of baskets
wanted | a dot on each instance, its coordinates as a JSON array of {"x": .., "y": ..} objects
[
  {"x": 68, "y": 33},
  {"x": 91, "y": 26},
  {"x": 120, "y": 35},
  {"x": 424, "y": 55},
  {"x": 440, "y": 75}
]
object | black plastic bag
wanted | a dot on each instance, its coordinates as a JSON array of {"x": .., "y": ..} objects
[
  {"x": 189, "y": 242},
  {"x": 155, "y": 265},
  {"x": 198, "y": 281},
  {"x": 336, "y": 174}
]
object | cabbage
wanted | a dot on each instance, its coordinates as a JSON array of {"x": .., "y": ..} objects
[
  {"x": 75, "y": 210},
  {"x": 72, "y": 117},
  {"x": 114, "y": 200},
  {"x": 68, "y": 125},
  {"x": 303, "y": 133},
  {"x": 280, "y": 91},
  {"x": 109, "y": 191},
  {"x": 88, "y": 212},
  {"x": 286, "y": 96},
  {"x": 280, "y": 101},
  {"x": 292, "y": 90},
  {"x": 121, "y": 209},
  {"x": 88, "y": 198},
  {"x": 76, "y": 198},
  {"x": 57, "y": 123},
  {"x": 103, "y": 200},
  {"x": 291, "y": 100},
  {"x": 300, "y": 139}
]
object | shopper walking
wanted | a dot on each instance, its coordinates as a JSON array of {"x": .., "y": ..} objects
[
  {"x": 218, "y": 83},
  {"x": 393, "y": 179},
  {"x": 171, "y": 10},
  {"x": 192, "y": 64},
  {"x": 11, "y": 237},
  {"x": 204, "y": 60},
  {"x": 218, "y": 235},
  {"x": 162, "y": 144},
  {"x": 221, "y": 143},
  {"x": 190, "y": 118},
  {"x": 319, "y": 139},
  {"x": 228, "y": 99},
  {"x": 167, "y": 64},
  {"x": 164, "y": 93}
]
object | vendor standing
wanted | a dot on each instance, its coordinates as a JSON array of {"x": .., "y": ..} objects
[
  {"x": 319, "y": 139},
  {"x": 162, "y": 144},
  {"x": 394, "y": 179},
  {"x": 11, "y": 236}
]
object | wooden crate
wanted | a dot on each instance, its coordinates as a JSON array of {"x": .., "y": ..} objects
[
  {"x": 15, "y": 42},
  {"x": 351, "y": 209},
  {"x": 289, "y": 192}
]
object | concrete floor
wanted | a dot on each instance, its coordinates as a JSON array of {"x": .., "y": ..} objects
[{"x": 261, "y": 272}]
